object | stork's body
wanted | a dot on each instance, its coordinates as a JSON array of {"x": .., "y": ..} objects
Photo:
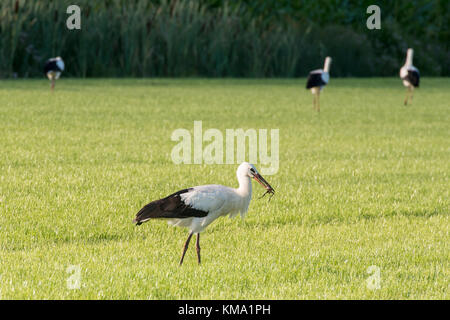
[
  {"x": 410, "y": 76},
  {"x": 53, "y": 68},
  {"x": 196, "y": 208},
  {"x": 317, "y": 80}
]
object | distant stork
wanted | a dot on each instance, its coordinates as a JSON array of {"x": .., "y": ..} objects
[
  {"x": 410, "y": 75},
  {"x": 197, "y": 207},
  {"x": 53, "y": 68},
  {"x": 318, "y": 79}
]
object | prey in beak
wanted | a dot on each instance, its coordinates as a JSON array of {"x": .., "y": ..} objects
[{"x": 265, "y": 184}]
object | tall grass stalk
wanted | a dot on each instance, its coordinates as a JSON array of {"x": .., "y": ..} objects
[{"x": 143, "y": 38}]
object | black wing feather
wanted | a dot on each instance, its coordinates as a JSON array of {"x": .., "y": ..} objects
[
  {"x": 413, "y": 77},
  {"x": 314, "y": 80},
  {"x": 168, "y": 208},
  {"x": 51, "y": 65}
]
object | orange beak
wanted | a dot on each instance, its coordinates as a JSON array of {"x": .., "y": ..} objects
[{"x": 263, "y": 182}]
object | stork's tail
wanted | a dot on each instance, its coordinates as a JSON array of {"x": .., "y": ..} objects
[{"x": 145, "y": 214}]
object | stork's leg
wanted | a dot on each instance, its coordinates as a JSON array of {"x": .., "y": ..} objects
[
  {"x": 197, "y": 246},
  {"x": 407, "y": 95},
  {"x": 53, "y": 84},
  {"x": 318, "y": 101},
  {"x": 186, "y": 245},
  {"x": 412, "y": 93},
  {"x": 316, "y": 98}
]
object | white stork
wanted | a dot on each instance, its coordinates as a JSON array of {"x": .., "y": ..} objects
[
  {"x": 318, "y": 79},
  {"x": 410, "y": 75},
  {"x": 197, "y": 207},
  {"x": 53, "y": 68}
]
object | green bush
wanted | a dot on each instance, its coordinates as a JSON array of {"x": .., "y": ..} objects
[{"x": 214, "y": 38}]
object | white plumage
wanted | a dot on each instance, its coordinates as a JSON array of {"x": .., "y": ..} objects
[{"x": 217, "y": 200}]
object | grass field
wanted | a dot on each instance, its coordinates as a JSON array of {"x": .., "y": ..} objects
[{"x": 365, "y": 183}]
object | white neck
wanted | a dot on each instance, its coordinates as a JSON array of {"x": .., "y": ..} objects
[
  {"x": 244, "y": 193},
  {"x": 245, "y": 186},
  {"x": 326, "y": 67},
  {"x": 409, "y": 57}
]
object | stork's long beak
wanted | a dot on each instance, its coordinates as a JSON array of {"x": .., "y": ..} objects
[{"x": 263, "y": 182}]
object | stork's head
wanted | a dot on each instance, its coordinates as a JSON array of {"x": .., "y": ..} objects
[{"x": 248, "y": 170}]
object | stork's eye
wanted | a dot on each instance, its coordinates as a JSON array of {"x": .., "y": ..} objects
[{"x": 252, "y": 170}]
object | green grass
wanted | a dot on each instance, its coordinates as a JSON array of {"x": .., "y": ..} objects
[{"x": 364, "y": 183}]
